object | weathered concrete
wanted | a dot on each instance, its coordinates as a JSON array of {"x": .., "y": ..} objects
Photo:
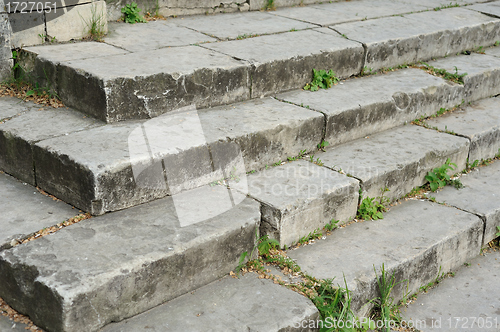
[
  {"x": 479, "y": 122},
  {"x": 492, "y": 8},
  {"x": 416, "y": 241},
  {"x": 360, "y": 107},
  {"x": 113, "y": 267},
  {"x": 26, "y": 211},
  {"x": 480, "y": 196},
  {"x": 11, "y": 326},
  {"x": 5, "y": 44},
  {"x": 232, "y": 26},
  {"x": 101, "y": 169},
  {"x": 76, "y": 23},
  {"x": 392, "y": 41},
  {"x": 170, "y": 78},
  {"x": 26, "y": 29},
  {"x": 260, "y": 4},
  {"x": 397, "y": 159},
  {"x": 247, "y": 303},
  {"x": 483, "y": 73},
  {"x": 443, "y": 308},
  {"x": 154, "y": 35},
  {"x": 285, "y": 61},
  {"x": 11, "y": 107},
  {"x": 18, "y": 135},
  {"x": 299, "y": 197},
  {"x": 341, "y": 12}
]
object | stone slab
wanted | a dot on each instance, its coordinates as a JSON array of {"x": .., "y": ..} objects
[
  {"x": 18, "y": 135},
  {"x": 232, "y": 26},
  {"x": 170, "y": 78},
  {"x": 11, "y": 107},
  {"x": 76, "y": 23},
  {"x": 443, "y": 308},
  {"x": 11, "y": 326},
  {"x": 296, "y": 54},
  {"x": 492, "y": 8},
  {"x": 479, "y": 122},
  {"x": 392, "y": 41},
  {"x": 101, "y": 169},
  {"x": 398, "y": 158},
  {"x": 5, "y": 42},
  {"x": 26, "y": 211},
  {"x": 113, "y": 267},
  {"x": 483, "y": 73},
  {"x": 480, "y": 196},
  {"x": 26, "y": 29},
  {"x": 327, "y": 14},
  {"x": 363, "y": 106},
  {"x": 439, "y": 3},
  {"x": 154, "y": 35},
  {"x": 416, "y": 241},
  {"x": 299, "y": 197},
  {"x": 247, "y": 303}
]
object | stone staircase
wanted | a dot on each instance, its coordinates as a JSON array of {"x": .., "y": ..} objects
[{"x": 188, "y": 152}]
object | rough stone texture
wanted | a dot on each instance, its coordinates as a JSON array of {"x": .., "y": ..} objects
[
  {"x": 483, "y": 73},
  {"x": 392, "y": 41},
  {"x": 341, "y": 12},
  {"x": 285, "y": 61},
  {"x": 360, "y": 107},
  {"x": 416, "y": 241},
  {"x": 11, "y": 107},
  {"x": 65, "y": 25},
  {"x": 113, "y": 267},
  {"x": 40, "y": 63},
  {"x": 260, "y": 4},
  {"x": 439, "y": 3},
  {"x": 230, "y": 26},
  {"x": 442, "y": 308},
  {"x": 26, "y": 28},
  {"x": 170, "y": 78},
  {"x": 397, "y": 159},
  {"x": 154, "y": 35},
  {"x": 26, "y": 211},
  {"x": 299, "y": 197},
  {"x": 492, "y": 8},
  {"x": 480, "y": 196},
  {"x": 11, "y": 326},
  {"x": 5, "y": 44},
  {"x": 247, "y": 303},
  {"x": 18, "y": 135},
  {"x": 101, "y": 169},
  {"x": 480, "y": 123}
]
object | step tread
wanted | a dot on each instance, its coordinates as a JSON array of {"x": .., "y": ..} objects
[
  {"x": 480, "y": 196},
  {"x": 415, "y": 239},
  {"x": 112, "y": 267},
  {"x": 392, "y": 159},
  {"x": 26, "y": 211},
  {"x": 247, "y": 303}
]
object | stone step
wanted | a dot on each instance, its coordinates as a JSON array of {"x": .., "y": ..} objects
[
  {"x": 396, "y": 159},
  {"x": 247, "y": 303},
  {"x": 115, "y": 266},
  {"x": 119, "y": 83},
  {"x": 479, "y": 196},
  {"x": 479, "y": 122},
  {"x": 417, "y": 241}
]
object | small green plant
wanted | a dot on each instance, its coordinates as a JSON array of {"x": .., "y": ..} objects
[
  {"x": 323, "y": 145},
  {"x": 371, "y": 208},
  {"x": 450, "y": 5},
  {"x": 277, "y": 163},
  {"x": 318, "y": 162},
  {"x": 333, "y": 224},
  {"x": 497, "y": 43},
  {"x": 454, "y": 77},
  {"x": 131, "y": 14},
  {"x": 269, "y": 5},
  {"x": 439, "y": 177},
  {"x": 316, "y": 234},
  {"x": 498, "y": 234},
  {"x": 96, "y": 24},
  {"x": 322, "y": 79}
]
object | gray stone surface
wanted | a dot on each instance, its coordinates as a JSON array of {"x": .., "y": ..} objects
[
  {"x": 26, "y": 28},
  {"x": 113, "y": 267},
  {"x": 397, "y": 159},
  {"x": 479, "y": 122},
  {"x": 467, "y": 302},
  {"x": 393, "y": 41},
  {"x": 94, "y": 169},
  {"x": 11, "y": 107},
  {"x": 483, "y": 73},
  {"x": 285, "y": 61},
  {"x": 299, "y": 197},
  {"x": 5, "y": 42},
  {"x": 26, "y": 211},
  {"x": 154, "y": 35},
  {"x": 360, "y": 107},
  {"x": 247, "y": 303},
  {"x": 18, "y": 135},
  {"x": 480, "y": 196},
  {"x": 231, "y": 26},
  {"x": 492, "y": 8},
  {"x": 416, "y": 241},
  {"x": 149, "y": 83},
  {"x": 346, "y": 11},
  {"x": 11, "y": 326}
]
